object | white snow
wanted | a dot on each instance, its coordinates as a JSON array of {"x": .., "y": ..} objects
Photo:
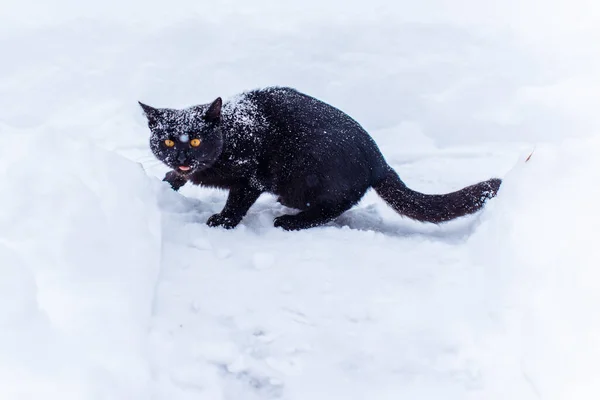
[
  {"x": 545, "y": 222},
  {"x": 114, "y": 288},
  {"x": 81, "y": 251}
]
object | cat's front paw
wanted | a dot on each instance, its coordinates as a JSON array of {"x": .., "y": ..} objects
[
  {"x": 175, "y": 180},
  {"x": 222, "y": 221}
]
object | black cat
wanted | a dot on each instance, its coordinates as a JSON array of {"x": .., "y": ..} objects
[{"x": 311, "y": 155}]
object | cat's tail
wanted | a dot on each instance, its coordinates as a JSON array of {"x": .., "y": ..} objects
[{"x": 434, "y": 208}]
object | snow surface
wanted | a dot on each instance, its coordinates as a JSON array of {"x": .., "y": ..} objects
[{"x": 114, "y": 288}]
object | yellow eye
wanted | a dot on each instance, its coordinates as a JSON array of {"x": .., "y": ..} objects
[
  {"x": 169, "y": 143},
  {"x": 195, "y": 142}
]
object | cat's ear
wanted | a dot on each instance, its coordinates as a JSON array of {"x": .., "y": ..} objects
[
  {"x": 214, "y": 110},
  {"x": 151, "y": 113}
]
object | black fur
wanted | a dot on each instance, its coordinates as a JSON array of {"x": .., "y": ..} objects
[{"x": 311, "y": 155}]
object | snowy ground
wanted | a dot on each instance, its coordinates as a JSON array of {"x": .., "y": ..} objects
[{"x": 113, "y": 287}]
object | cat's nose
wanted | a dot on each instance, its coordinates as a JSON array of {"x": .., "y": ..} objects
[{"x": 181, "y": 158}]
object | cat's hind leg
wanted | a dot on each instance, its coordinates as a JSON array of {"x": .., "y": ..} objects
[{"x": 315, "y": 215}]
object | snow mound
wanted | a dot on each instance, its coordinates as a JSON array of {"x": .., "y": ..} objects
[
  {"x": 538, "y": 244},
  {"x": 80, "y": 245}
]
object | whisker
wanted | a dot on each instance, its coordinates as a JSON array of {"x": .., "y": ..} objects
[
  {"x": 145, "y": 159},
  {"x": 150, "y": 165}
]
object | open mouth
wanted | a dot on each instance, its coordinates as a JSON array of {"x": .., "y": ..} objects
[
  {"x": 190, "y": 169},
  {"x": 184, "y": 169}
]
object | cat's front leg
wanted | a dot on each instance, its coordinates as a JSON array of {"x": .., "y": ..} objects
[
  {"x": 175, "y": 180},
  {"x": 238, "y": 203}
]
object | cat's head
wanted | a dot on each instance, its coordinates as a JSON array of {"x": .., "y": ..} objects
[{"x": 187, "y": 140}]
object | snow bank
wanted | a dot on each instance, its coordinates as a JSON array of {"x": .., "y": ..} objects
[
  {"x": 374, "y": 306},
  {"x": 538, "y": 248},
  {"x": 79, "y": 256}
]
